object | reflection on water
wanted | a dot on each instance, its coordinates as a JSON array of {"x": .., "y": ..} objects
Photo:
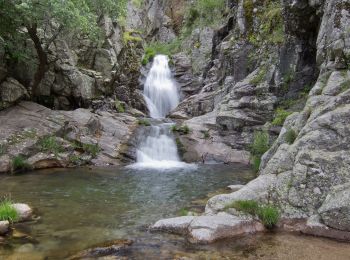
[{"x": 79, "y": 208}]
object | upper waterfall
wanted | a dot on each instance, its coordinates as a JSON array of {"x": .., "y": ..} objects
[{"x": 161, "y": 93}]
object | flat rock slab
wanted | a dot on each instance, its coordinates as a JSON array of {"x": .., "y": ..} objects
[
  {"x": 177, "y": 225},
  {"x": 4, "y": 227},
  {"x": 24, "y": 211},
  {"x": 207, "y": 229}
]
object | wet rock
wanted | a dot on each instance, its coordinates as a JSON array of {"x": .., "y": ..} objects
[
  {"x": 177, "y": 225},
  {"x": 5, "y": 164},
  {"x": 111, "y": 248},
  {"x": 23, "y": 210},
  {"x": 4, "y": 227},
  {"x": 236, "y": 187}
]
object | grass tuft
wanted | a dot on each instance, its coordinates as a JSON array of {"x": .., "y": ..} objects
[
  {"x": 261, "y": 143},
  {"x": 144, "y": 122},
  {"x": 7, "y": 211},
  {"x": 50, "y": 144},
  {"x": 268, "y": 214},
  {"x": 291, "y": 135},
  {"x": 19, "y": 163},
  {"x": 280, "y": 117}
]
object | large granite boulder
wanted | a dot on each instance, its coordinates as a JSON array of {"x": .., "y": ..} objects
[{"x": 11, "y": 91}]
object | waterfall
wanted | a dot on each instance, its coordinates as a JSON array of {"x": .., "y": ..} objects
[
  {"x": 157, "y": 147},
  {"x": 161, "y": 93}
]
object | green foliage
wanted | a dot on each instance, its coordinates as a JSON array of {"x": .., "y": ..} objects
[
  {"x": 247, "y": 206},
  {"x": 259, "y": 77},
  {"x": 19, "y": 163},
  {"x": 50, "y": 144},
  {"x": 155, "y": 48},
  {"x": 290, "y": 136},
  {"x": 137, "y": 3},
  {"x": 92, "y": 149},
  {"x": 181, "y": 148},
  {"x": 268, "y": 215},
  {"x": 203, "y": 13},
  {"x": 206, "y": 134},
  {"x": 144, "y": 122},
  {"x": 75, "y": 159},
  {"x": 129, "y": 37},
  {"x": 119, "y": 106},
  {"x": 183, "y": 212},
  {"x": 270, "y": 18},
  {"x": 7, "y": 211},
  {"x": 280, "y": 116},
  {"x": 183, "y": 130},
  {"x": 261, "y": 143}
]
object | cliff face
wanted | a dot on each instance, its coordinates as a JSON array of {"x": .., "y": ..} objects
[{"x": 308, "y": 177}]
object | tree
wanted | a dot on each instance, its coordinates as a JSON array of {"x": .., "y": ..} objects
[{"x": 44, "y": 20}]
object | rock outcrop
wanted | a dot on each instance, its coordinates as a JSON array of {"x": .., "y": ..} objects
[{"x": 44, "y": 138}]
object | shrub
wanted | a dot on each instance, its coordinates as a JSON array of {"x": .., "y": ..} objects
[
  {"x": 50, "y": 144},
  {"x": 7, "y": 211},
  {"x": 290, "y": 136},
  {"x": 260, "y": 145},
  {"x": 280, "y": 117},
  {"x": 268, "y": 215},
  {"x": 144, "y": 122},
  {"x": 20, "y": 163}
]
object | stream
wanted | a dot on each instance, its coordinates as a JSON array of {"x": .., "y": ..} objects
[{"x": 79, "y": 208}]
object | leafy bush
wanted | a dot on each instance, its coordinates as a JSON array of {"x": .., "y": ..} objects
[
  {"x": 20, "y": 164},
  {"x": 260, "y": 145},
  {"x": 7, "y": 211},
  {"x": 268, "y": 215},
  {"x": 290, "y": 136},
  {"x": 144, "y": 122},
  {"x": 50, "y": 144},
  {"x": 280, "y": 117}
]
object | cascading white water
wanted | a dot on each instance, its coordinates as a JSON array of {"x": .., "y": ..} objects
[
  {"x": 161, "y": 93},
  {"x": 158, "y": 148}
]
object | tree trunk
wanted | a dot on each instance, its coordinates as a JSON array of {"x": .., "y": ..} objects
[{"x": 43, "y": 61}]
